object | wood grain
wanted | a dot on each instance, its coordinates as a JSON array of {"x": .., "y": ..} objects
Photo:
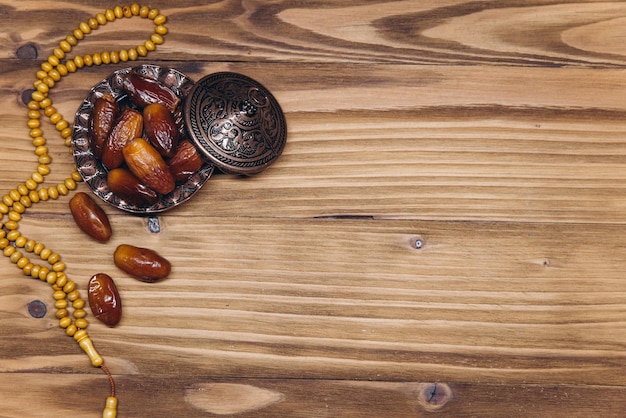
[{"x": 444, "y": 232}]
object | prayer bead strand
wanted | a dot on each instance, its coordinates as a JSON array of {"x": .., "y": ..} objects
[{"x": 17, "y": 201}]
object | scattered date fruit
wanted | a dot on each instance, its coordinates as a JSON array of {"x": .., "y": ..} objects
[
  {"x": 143, "y": 264},
  {"x": 104, "y": 299},
  {"x": 90, "y": 217}
]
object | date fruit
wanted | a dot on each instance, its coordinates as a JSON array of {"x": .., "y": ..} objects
[
  {"x": 185, "y": 162},
  {"x": 128, "y": 127},
  {"x": 124, "y": 184},
  {"x": 104, "y": 299},
  {"x": 143, "y": 91},
  {"x": 146, "y": 163},
  {"x": 160, "y": 129},
  {"x": 90, "y": 217},
  {"x": 105, "y": 111},
  {"x": 141, "y": 263}
]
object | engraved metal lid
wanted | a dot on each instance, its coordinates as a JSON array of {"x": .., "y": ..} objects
[{"x": 235, "y": 122}]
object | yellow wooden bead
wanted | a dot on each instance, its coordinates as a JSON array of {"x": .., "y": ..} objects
[
  {"x": 33, "y": 195},
  {"x": 61, "y": 125},
  {"x": 133, "y": 54},
  {"x": 61, "y": 280},
  {"x": 51, "y": 277},
  {"x": 58, "y": 295},
  {"x": 78, "y": 304},
  {"x": 43, "y": 194},
  {"x": 44, "y": 159},
  {"x": 14, "y": 216},
  {"x": 135, "y": 8},
  {"x": 41, "y": 150},
  {"x": 43, "y": 169},
  {"x": 30, "y": 184},
  {"x": 33, "y": 123},
  {"x": 65, "y": 322},
  {"x": 156, "y": 38},
  {"x": 84, "y": 28},
  {"x": 55, "y": 75},
  {"x": 55, "y": 117},
  {"x": 70, "y": 184},
  {"x": 65, "y": 45},
  {"x": 24, "y": 200},
  {"x": 70, "y": 286},
  {"x": 142, "y": 51},
  {"x": 78, "y": 34},
  {"x": 115, "y": 57},
  {"x": 59, "y": 53},
  {"x": 62, "y": 69},
  {"x": 79, "y": 313},
  {"x": 73, "y": 295},
  {"x": 153, "y": 13},
  {"x": 18, "y": 207},
  {"x": 7, "y": 200},
  {"x": 106, "y": 57},
  {"x": 76, "y": 176},
  {"x": 110, "y": 15},
  {"x": 34, "y": 114},
  {"x": 13, "y": 235},
  {"x": 144, "y": 11},
  {"x": 71, "y": 66},
  {"x": 78, "y": 60},
  {"x": 127, "y": 12},
  {"x": 53, "y": 258},
  {"x": 45, "y": 103},
  {"x": 161, "y": 30},
  {"x": 15, "y": 257},
  {"x": 101, "y": 18},
  {"x": 61, "y": 313},
  {"x": 30, "y": 245},
  {"x": 71, "y": 329},
  {"x": 71, "y": 40},
  {"x": 53, "y": 192},
  {"x": 39, "y": 247},
  {"x": 15, "y": 194},
  {"x": 61, "y": 304},
  {"x": 93, "y": 23},
  {"x": 66, "y": 132},
  {"x": 46, "y": 66},
  {"x": 149, "y": 45},
  {"x": 160, "y": 20},
  {"x": 39, "y": 141},
  {"x": 123, "y": 55},
  {"x": 43, "y": 273},
  {"x": 41, "y": 74},
  {"x": 88, "y": 60},
  {"x": 81, "y": 323},
  {"x": 27, "y": 269},
  {"x": 11, "y": 225},
  {"x": 118, "y": 12},
  {"x": 34, "y": 273},
  {"x": 97, "y": 59},
  {"x": 53, "y": 61},
  {"x": 63, "y": 191},
  {"x": 4, "y": 243},
  {"x": 37, "y": 96},
  {"x": 45, "y": 253},
  {"x": 49, "y": 81},
  {"x": 22, "y": 262},
  {"x": 21, "y": 241},
  {"x": 8, "y": 250},
  {"x": 36, "y": 177},
  {"x": 4, "y": 208}
]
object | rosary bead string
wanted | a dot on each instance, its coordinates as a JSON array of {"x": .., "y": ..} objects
[{"x": 18, "y": 200}]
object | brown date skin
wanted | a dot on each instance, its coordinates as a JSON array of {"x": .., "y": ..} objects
[
  {"x": 105, "y": 111},
  {"x": 90, "y": 217},
  {"x": 126, "y": 185},
  {"x": 185, "y": 162},
  {"x": 160, "y": 129},
  {"x": 128, "y": 127},
  {"x": 143, "y": 264},
  {"x": 143, "y": 91},
  {"x": 146, "y": 163},
  {"x": 104, "y": 299}
]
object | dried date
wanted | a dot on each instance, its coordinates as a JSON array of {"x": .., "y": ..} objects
[
  {"x": 128, "y": 127},
  {"x": 90, "y": 217},
  {"x": 146, "y": 163},
  {"x": 143, "y": 264},
  {"x": 104, "y": 299}
]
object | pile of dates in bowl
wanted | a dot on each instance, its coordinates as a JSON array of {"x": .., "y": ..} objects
[{"x": 130, "y": 143}]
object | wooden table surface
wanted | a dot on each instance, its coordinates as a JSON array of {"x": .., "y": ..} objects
[{"x": 445, "y": 232}]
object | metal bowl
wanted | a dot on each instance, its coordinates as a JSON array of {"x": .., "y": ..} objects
[{"x": 94, "y": 173}]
